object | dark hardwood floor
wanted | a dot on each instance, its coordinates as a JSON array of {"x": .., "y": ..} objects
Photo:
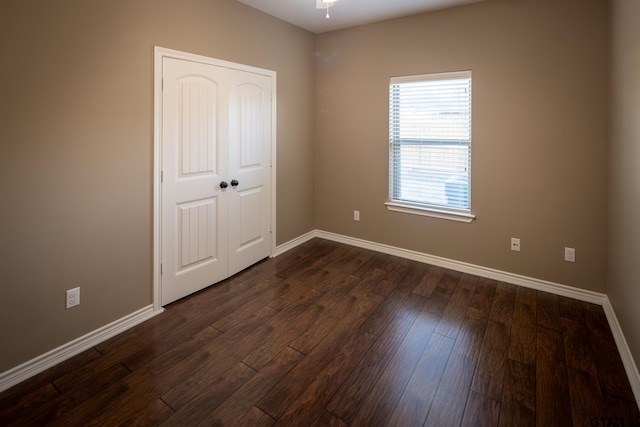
[{"x": 332, "y": 335}]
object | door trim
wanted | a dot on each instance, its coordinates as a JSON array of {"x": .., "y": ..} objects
[{"x": 159, "y": 54}]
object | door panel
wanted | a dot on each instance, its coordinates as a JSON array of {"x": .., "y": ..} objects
[
  {"x": 250, "y": 117},
  {"x": 194, "y": 216},
  {"x": 250, "y": 224},
  {"x": 197, "y": 125},
  {"x": 196, "y": 233}
]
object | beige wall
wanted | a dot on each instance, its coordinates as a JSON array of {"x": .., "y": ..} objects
[
  {"x": 540, "y": 133},
  {"x": 624, "y": 201},
  {"x": 76, "y": 150}
]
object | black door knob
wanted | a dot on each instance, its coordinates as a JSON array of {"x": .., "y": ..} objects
[
  {"x": 224, "y": 184},
  {"x": 234, "y": 183}
]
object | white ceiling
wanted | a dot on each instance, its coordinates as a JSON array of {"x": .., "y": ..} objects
[{"x": 346, "y": 13}]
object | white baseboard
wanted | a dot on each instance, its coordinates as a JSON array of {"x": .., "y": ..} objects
[
  {"x": 295, "y": 242},
  {"x": 503, "y": 276},
  {"x": 463, "y": 267},
  {"x": 623, "y": 348},
  {"x": 45, "y": 361}
]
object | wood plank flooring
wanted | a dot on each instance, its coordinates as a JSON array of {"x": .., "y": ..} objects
[{"x": 332, "y": 335}]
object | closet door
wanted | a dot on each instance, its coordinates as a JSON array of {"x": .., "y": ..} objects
[
  {"x": 216, "y": 173},
  {"x": 195, "y": 213},
  {"x": 249, "y": 169}
]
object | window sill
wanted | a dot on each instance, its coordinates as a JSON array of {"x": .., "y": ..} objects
[{"x": 413, "y": 209}]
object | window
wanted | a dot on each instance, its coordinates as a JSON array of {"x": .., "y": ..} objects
[{"x": 430, "y": 145}]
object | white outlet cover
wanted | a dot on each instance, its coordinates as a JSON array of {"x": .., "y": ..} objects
[
  {"x": 73, "y": 297},
  {"x": 570, "y": 254},
  {"x": 515, "y": 244}
]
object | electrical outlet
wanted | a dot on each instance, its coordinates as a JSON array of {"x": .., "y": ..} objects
[
  {"x": 73, "y": 297},
  {"x": 356, "y": 215},
  {"x": 515, "y": 244},
  {"x": 570, "y": 254}
]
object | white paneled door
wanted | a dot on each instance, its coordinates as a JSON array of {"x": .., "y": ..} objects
[{"x": 216, "y": 173}]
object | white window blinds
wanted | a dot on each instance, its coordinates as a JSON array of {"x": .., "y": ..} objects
[{"x": 430, "y": 140}]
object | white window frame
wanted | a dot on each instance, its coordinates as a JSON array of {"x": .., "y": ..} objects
[{"x": 414, "y": 207}]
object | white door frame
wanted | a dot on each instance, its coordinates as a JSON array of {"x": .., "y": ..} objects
[{"x": 159, "y": 54}]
